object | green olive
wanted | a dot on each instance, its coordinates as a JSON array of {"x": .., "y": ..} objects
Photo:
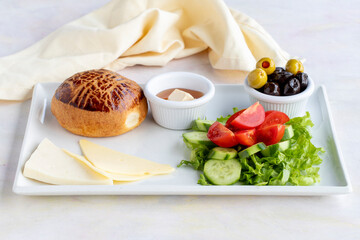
[
  {"x": 294, "y": 66},
  {"x": 257, "y": 78},
  {"x": 266, "y": 64}
]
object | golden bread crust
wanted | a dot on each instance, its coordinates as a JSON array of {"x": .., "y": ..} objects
[{"x": 99, "y": 103}]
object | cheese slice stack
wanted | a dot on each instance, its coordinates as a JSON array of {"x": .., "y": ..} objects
[
  {"x": 115, "y": 162},
  {"x": 52, "y": 165},
  {"x": 100, "y": 165},
  {"x": 113, "y": 176}
]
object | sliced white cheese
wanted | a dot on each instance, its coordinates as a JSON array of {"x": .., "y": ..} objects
[
  {"x": 50, "y": 164},
  {"x": 120, "y": 163},
  {"x": 179, "y": 95},
  {"x": 113, "y": 176}
]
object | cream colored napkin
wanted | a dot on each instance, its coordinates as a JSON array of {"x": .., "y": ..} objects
[{"x": 148, "y": 32}]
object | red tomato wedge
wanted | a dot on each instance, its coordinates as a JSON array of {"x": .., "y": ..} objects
[
  {"x": 270, "y": 134},
  {"x": 228, "y": 122},
  {"x": 274, "y": 117},
  {"x": 221, "y": 136},
  {"x": 268, "y": 112},
  {"x": 246, "y": 137},
  {"x": 252, "y": 117}
]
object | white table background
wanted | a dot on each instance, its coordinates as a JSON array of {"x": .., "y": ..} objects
[{"x": 325, "y": 32}]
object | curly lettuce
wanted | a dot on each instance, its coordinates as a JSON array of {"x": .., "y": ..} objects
[
  {"x": 223, "y": 120},
  {"x": 198, "y": 155}
]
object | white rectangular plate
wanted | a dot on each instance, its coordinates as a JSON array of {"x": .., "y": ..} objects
[{"x": 158, "y": 144}]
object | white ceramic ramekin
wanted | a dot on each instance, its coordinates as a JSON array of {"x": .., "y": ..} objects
[
  {"x": 293, "y": 106},
  {"x": 178, "y": 115}
]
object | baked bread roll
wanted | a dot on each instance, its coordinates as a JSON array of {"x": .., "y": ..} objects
[{"x": 99, "y": 103}]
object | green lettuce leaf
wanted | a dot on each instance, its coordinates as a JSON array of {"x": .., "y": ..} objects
[
  {"x": 202, "y": 180},
  {"x": 198, "y": 155},
  {"x": 223, "y": 120},
  {"x": 294, "y": 166}
]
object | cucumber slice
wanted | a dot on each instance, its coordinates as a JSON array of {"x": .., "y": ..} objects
[
  {"x": 289, "y": 133},
  {"x": 222, "y": 153},
  {"x": 198, "y": 138},
  {"x": 222, "y": 172},
  {"x": 252, "y": 150},
  {"x": 281, "y": 146},
  {"x": 202, "y": 125}
]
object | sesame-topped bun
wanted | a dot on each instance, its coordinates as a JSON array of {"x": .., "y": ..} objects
[{"x": 99, "y": 103}]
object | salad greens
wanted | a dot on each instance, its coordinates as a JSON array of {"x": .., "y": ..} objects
[
  {"x": 198, "y": 156},
  {"x": 294, "y": 166},
  {"x": 223, "y": 120}
]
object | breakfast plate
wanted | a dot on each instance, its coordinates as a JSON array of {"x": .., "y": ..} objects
[{"x": 162, "y": 145}]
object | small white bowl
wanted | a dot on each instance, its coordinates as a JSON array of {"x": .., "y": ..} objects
[
  {"x": 293, "y": 106},
  {"x": 178, "y": 115}
]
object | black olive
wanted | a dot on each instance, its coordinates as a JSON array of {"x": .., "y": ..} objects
[
  {"x": 279, "y": 69},
  {"x": 274, "y": 77},
  {"x": 280, "y": 78},
  {"x": 272, "y": 88},
  {"x": 284, "y": 77},
  {"x": 303, "y": 78},
  {"x": 261, "y": 89},
  {"x": 292, "y": 87}
]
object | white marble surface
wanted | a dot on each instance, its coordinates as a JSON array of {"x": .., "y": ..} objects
[{"x": 324, "y": 32}]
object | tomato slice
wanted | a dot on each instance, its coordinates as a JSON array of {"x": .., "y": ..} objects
[
  {"x": 270, "y": 134},
  {"x": 246, "y": 137},
  {"x": 221, "y": 136},
  {"x": 228, "y": 122},
  {"x": 252, "y": 117},
  {"x": 274, "y": 117},
  {"x": 268, "y": 112}
]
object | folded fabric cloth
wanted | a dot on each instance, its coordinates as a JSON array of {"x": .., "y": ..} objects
[{"x": 148, "y": 32}]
